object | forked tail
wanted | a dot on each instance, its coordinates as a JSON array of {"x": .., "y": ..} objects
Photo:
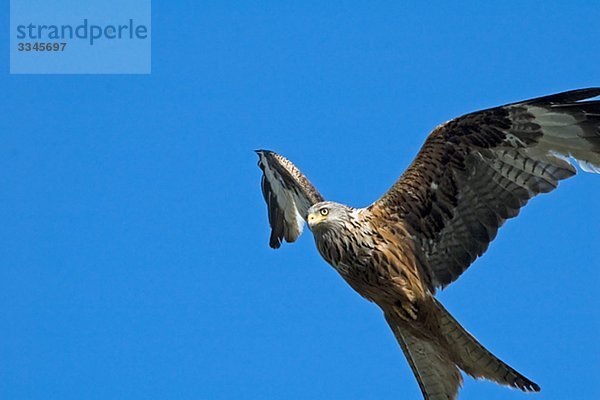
[{"x": 436, "y": 362}]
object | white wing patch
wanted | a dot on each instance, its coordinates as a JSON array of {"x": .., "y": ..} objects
[
  {"x": 285, "y": 201},
  {"x": 564, "y": 136},
  {"x": 288, "y": 194}
]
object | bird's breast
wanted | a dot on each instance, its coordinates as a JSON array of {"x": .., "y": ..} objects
[
  {"x": 353, "y": 259},
  {"x": 373, "y": 264}
]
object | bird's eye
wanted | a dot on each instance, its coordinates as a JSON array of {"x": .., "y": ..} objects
[{"x": 324, "y": 212}]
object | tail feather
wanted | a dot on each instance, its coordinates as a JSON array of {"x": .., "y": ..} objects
[
  {"x": 438, "y": 377},
  {"x": 436, "y": 352},
  {"x": 475, "y": 359}
]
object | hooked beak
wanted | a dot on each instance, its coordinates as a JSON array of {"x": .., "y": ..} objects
[{"x": 314, "y": 219}]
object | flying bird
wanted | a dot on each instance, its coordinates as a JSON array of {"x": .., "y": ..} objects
[{"x": 471, "y": 175}]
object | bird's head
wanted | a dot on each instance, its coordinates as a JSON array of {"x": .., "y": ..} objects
[{"x": 328, "y": 215}]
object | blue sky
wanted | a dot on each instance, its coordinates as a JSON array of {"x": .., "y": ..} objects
[{"x": 135, "y": 262}]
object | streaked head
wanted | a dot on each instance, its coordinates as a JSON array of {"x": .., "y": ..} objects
[{"x": 328, "y": 214}]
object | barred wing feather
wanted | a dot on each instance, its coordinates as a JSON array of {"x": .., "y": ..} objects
[{"x": 476, "y": 171}]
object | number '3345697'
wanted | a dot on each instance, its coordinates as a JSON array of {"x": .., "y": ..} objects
[{"x": 41, "y": 46}]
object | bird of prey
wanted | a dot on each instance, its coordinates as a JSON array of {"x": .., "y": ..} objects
[{"x": 471, "y": 175}]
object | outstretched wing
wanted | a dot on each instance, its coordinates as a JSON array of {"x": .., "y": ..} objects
[
  {"x": 478, "y": 170},
  {"x": 288, "y": 194}
]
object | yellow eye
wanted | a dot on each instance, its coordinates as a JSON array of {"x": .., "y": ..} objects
[{"x": 324, "y": 212}]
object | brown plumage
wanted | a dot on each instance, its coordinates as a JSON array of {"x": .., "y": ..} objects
[{"x": 472, "y": 174}]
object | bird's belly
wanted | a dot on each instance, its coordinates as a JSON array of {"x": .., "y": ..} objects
[
  {"x": 360, "y": 267},
  {"x": 362, "y": 278}
]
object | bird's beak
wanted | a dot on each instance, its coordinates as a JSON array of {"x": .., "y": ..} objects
[
  {"x": 314, "y": 220},
  {"x": 311, "y": 220}
]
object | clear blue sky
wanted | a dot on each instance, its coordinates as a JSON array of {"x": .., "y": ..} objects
[{"x": 135, "y": 263}]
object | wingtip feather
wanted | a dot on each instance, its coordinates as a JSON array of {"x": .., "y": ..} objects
[
  {"x": 568, "y": 96},
  {"x": 274, "y": 242},
  {"x": 589, "y": 166}
]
